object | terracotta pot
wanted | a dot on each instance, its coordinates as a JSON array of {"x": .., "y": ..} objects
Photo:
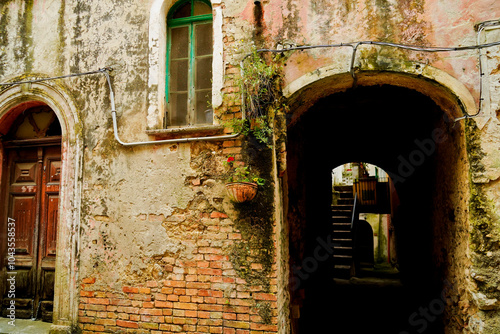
[{"x": 240, "y": 192}]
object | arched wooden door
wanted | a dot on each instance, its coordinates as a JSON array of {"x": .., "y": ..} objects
[{"x": 30, "y": 199}]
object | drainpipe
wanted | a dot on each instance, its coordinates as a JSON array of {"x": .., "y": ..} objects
[
  {"x": 353, "y": 59},
  {"x": 155, "y": 142}
]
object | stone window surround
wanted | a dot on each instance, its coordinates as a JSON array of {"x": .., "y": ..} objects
[{"x": 157, "y": 64}]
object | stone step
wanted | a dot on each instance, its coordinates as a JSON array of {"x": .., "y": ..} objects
[
  {"x": 342, "y": 241},
  {"x": 342, "y": 222},
  {"x": 342, "y": 212},
  {"x": 343, "y": 247},
  {"x": 340, "y": 216},
  {"x": 342, "y": 226},
  {"x": 342, "y": 250},
  {"x": 343, "y": 270},
  {"x": 342, "y": 207},
  {"x": 342, "y": 266},
  {"x": 342, "y": 188},
  {"x": 342, "y": 256},
  {"x": 346, "y": 260}
]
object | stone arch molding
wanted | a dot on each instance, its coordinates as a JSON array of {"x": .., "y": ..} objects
[
  {"x": 445, "y": 90},
  {"x": 65, "y": 313},
  {"x": 158, "y": 54}
]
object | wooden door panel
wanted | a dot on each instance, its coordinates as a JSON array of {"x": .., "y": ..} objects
[
  {"x": 50, "y": 203},
  {"x": 55, "y": 171},
  {"x": 23, "y": 210},
  {"x": 51, "y": 230},
  {"x": 47, "y": 291},
  {"x": 31, "y": 188},
  {"x": 25, "y": 172},
  {"x": 24, "y": 282},
  {"x": 23, "y": 178},
  {"x": 48, "y": 230}
]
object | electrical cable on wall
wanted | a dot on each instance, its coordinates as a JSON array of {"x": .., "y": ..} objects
[
  {"x": 355, "y": 46},
  {"x": 101, "y": 70}
]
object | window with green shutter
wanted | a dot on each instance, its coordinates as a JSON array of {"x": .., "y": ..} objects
[{"x": 189, "y": 63}]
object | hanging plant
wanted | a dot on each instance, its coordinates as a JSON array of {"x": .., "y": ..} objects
[
  {"x": 241, "y": 192},
  {"x": 241, "y": 184},
  {"x": 260, "y": 84}
]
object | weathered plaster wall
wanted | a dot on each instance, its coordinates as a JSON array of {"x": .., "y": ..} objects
[
  {"x": 451, "y": 227},
  {"x": 424, "y": 23},
  {"x": 160, "y": 247},
  {"x": 155, "y": 219},
  {"x": 484, "y": 227}
]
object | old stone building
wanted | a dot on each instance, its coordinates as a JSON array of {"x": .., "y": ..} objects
[{"x": 121, "y": 122}]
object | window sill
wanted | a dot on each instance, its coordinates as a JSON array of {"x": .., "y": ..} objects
[{"x": 186, "y": 132}]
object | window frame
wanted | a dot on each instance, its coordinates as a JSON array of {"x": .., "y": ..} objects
[{"x": 190, "y": 22}]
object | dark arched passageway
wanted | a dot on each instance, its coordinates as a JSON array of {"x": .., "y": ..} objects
[{"x": 410, "y": 137}]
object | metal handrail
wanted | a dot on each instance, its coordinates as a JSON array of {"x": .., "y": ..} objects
[{"x": 354, "y": 209}]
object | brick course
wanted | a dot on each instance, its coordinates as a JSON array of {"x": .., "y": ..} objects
[
  {"x": 200, "y": 295},
  {"x": 205, "y": 310}
]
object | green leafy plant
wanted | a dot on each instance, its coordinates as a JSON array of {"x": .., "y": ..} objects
[
  {"x": 260, "y": 84},
  {"x": 241, "y": 173},
  {"x": 261, "y": 88},
  {"x": 258, "y": 127}
]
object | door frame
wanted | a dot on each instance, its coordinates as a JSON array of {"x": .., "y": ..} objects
[{"x": 13, "y": 101}]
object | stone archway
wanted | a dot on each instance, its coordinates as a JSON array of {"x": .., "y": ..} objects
[
  {"x": 13, "y": 101},
  {"x": 29, "y": 198},
  {"x": 415, "y": 140},
  {"x": 448, "y": 93}
]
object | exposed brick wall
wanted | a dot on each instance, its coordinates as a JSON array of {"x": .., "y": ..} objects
[
  {"x": 201, "y": 295},
  {"x": 176, "y": 306},
  {"x": 231, "y": 109}
]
